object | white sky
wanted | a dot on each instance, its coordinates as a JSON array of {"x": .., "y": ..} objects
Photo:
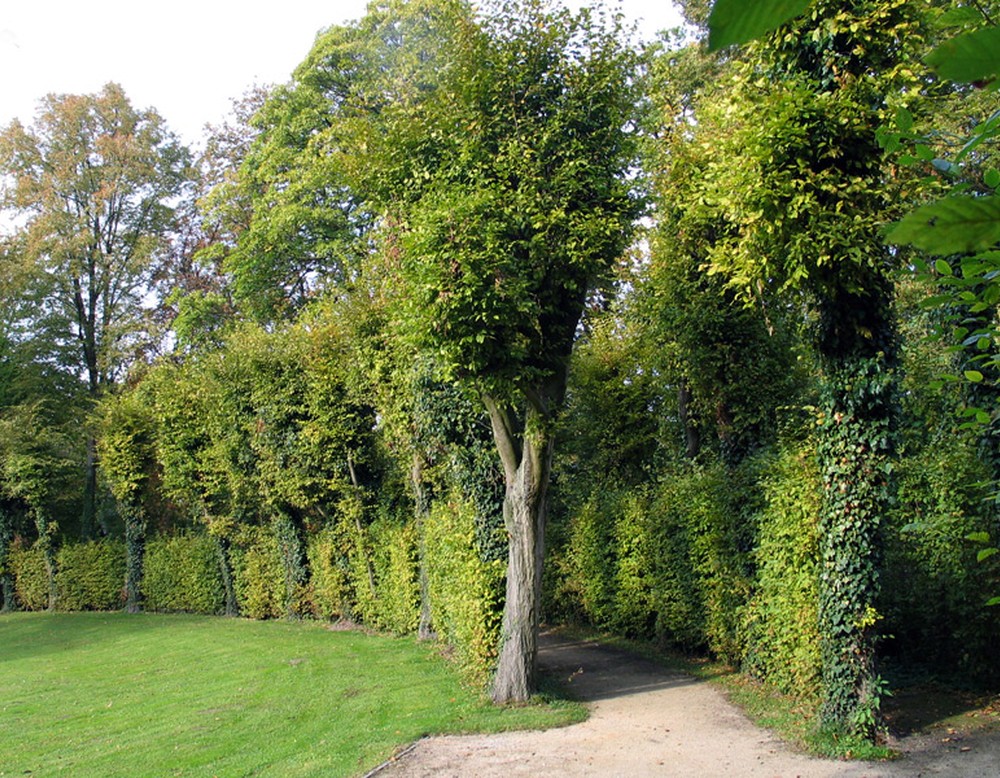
[{"x": 187, "y": 59}]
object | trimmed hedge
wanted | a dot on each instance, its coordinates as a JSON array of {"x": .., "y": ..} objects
[
  {"x": 331, "y": 587},
  {"x": 782, "y": 620},
  {"x": 466, "y": 592},
  {"x": 91, "y": 576},
  {"x": 395, "y": 561},
  {"x": 182, "y": 574},
  {"x": 258, "y": 575},
  {"x": 31, "y": 582}
]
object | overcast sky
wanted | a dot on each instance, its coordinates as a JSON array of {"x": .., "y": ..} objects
[{"x": 186, "y": 58}]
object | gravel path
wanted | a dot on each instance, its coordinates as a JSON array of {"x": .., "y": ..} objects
[{"x": 646, "y": 720}]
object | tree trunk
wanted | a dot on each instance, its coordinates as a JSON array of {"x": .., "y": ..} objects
[
  {"x": 290, "y": 547},
  {"x": 6, "y": 579},
  {"x": 226, "y": 568},
  {"x": 88, "y": 514},
  {"x": 692, "y": 438},
  {"x": 425, "y": 628},
  {"x": 135, "y": 546},
  {"x": 527, "y": 460},
  {"x": 856, "y": 447},
  {"x": 45, "y": 528}
]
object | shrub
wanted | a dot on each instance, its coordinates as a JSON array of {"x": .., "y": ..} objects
[
  {"x": 91, "y": 576},
  {"x": 397, "y": 604},
  {"x": 465, "y": 591},
  {"x": 933, "y": 586},
  {"x": 181, "y": 573},
  {"x": 259, "y": 577},
  {"x": 31, "y": 582},
  {"x": 331, "y": 588},
  {"x": 782, "y": 620}
]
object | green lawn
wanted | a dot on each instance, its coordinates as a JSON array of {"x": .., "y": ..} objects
[{"x": 107, "y": 694}]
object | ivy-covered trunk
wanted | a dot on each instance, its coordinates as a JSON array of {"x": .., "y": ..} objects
[
  {"x": 135, "y": 547},
  {"x": 226, "y": 569},
  {"x": 46, "y": 531},
  {"x": 292, "y": 561},
  {"x": 856, "y": 446},
  {"x": 527, "y": 461},
  {"x": 421, "y": 508},
  {"x": 6, "y": 579}
]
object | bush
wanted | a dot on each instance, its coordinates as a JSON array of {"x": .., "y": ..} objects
[
  {"x": 31, "y": 581},
  {"x": 782, "y": 620},
  {"x": 397, "y": 605},
  {"x": 934, "y": 587},
  {"x": 258, "y": 575},
  {"x": 465, "y": 591},
  {"x": 331, "y": 589},
  {"x": 181, "y": 573},
  {"x": 91, "y": 576}
]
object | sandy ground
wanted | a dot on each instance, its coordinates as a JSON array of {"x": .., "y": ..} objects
[{"x": 649, "y": 721}]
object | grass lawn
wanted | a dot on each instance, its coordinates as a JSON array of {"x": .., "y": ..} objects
[{"x": 108, "y": 694}]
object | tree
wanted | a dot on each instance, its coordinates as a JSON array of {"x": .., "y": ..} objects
[
  {"x": 126, "y": 444},
  {"x": 37, "y": 460},
  {"x": 511, "y": 202},
  {"x": 92, "y": 184},
  {"x": 801, "y": 189}
]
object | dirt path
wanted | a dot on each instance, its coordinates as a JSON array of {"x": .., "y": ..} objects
[{"x": 649, "y": 721}]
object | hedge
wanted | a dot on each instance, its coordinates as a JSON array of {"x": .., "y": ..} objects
[
  {"x": 466, "y": 592},
  {"x": 31, "y": 583},
  {"x": 91, "y": 576},
  {"x": 182, "y": 573}
]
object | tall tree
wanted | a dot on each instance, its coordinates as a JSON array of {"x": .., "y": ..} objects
[
  {"x": 91, "y": 185},
  {"x": 801, "y": 190},
  {"x": 512, "y": 201}
]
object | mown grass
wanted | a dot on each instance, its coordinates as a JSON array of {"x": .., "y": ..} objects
[{"x": 102, "y": 694}]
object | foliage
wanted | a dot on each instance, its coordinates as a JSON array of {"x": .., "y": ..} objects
[
  {"x": 330, "y": 583},
  {"x": 31, "y": 576},
  {"x": 732, "y": 22},
  {"x": 782, "y": 622},
  {"x": 465, "y": 590},
  {"x": 181, "y": 573},
  {"x": 90, "y": 575},
  {"x": 258, "y": 575},
  {"x": 394, "y": 548}
]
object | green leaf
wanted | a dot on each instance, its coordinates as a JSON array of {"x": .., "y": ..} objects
[
  {"x": 958, "y": 17},
  {"x": 951, "y": 225},
  {"x": 985, "y": 554},
  {"x": 737, "y": 21},
  {"x": 992, "y": 178},
  {"x": 974, "y": 56},
  {"x": 974, "y": 376},
  {"x": 942, "y": 266},
  {"x": 978, "y": 537},
  {"x": 904, "y": 120},
  {"x": 993, "y": 601}
]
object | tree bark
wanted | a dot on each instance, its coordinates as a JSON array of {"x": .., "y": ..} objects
[
  {"x": 692, "y": 438},
  {"x": 6, "y": 579},
  {"x": 226, "y": 568},
  {"x": 527, "y": 461},
  {"x": 135, "y": 546},
  {"x": 44, "y": 528},
  {"x": 425, "y": 628}
]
